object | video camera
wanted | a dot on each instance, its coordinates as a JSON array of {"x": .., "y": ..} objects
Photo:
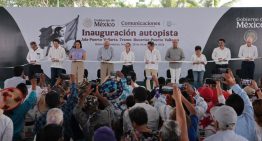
[
  {"x": 246, "y": 82},
  {"x": 37, "y": 75},
  {"x": 64, "y": 76},
  {"x": 169, "y": 90},
  {"x": 128, "y": 80},
  {"x": 218, "y": 74}
]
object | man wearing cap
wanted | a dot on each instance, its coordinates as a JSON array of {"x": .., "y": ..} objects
[
  {"x": 104, "y": 134},
  {"x": 225, "y": 119}
]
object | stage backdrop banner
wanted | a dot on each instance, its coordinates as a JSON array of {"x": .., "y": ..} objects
[{"x": 20, "y": 26}]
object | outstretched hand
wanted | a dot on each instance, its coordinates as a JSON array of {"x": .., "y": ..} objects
[
  {"x": 33, "y": 83},
  {"x": 254, "y": 85},
  {"x": 176, "y": 93},
  {"x": 120, "y": 74},
  {"x": 229, "y": 78},
  {"x": 72, "y": 78}
]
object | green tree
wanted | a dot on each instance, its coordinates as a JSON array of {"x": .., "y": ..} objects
[
  {"x": 57, "y": 3},
  {"x": 196, "y": 3}
]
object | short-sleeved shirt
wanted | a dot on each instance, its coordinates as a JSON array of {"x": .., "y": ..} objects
[{"x": 77, "y": 54}]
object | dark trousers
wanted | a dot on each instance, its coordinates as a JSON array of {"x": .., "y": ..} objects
[
  {"x": 33, "y": 69},
  {"x": 221, "y": 66},
  {"x": 126, "y": 69},
  {"x": 218, "y": 71},
  {"x": 247, "y": 69},
  {"x": 55, "y": 72},
  {"x": 218, "y": 68}
]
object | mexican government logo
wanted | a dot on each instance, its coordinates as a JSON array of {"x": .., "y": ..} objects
[
  {"x": 88, "y": 22},
  {"x": 252, "y": 34}
]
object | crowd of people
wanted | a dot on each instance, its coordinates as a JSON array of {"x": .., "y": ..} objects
[{"x": 116, "y": 108}]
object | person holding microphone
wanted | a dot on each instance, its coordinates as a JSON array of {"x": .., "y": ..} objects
[{"x": 78, "y": 55}]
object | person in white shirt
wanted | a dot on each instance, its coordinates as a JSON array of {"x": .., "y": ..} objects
[
  {"x": 128, "y": 57},
  {"x": 34, "y": 56},
  {"x": 225, "y": 120},
  {"x": 140, "y": 95},
  {"x": 16, "y": 79},
  {"x": 57, "y": 55},
  {"x": 6, "y": 124},
  {"x": 221, "y": 55},
  {"x": 152, "y": 57},
  {"x": 248, "y": 52},
  {"x": 199, "y": 61}
]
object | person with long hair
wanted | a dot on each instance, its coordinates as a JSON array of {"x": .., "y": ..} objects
[{"x": 77, "y": 55}]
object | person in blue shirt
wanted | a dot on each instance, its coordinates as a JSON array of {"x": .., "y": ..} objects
[
  {"x": 240, "y": 102},
  {"x": 193, "y": 125},
  {"x": 18, "y": 114}
]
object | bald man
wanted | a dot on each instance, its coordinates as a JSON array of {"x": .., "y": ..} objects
[
  {"x": 105, "y": 54},
  {"x": 249, "y": 52},
  {"x": 175, "y": 53}
]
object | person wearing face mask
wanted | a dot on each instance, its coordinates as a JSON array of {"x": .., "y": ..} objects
[{"x": 249, "y": 52}]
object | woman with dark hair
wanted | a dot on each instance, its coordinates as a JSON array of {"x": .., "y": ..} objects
[
  {"x": 77, "y": 55},
  {"x": 199, "y": 61}
]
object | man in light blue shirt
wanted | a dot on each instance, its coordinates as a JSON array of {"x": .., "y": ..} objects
[
  {"x": 105, "y": 55},
  {"x": 240, "y": 102}
]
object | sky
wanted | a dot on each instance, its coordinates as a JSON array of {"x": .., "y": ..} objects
[{"x": 240, "y": 3}]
